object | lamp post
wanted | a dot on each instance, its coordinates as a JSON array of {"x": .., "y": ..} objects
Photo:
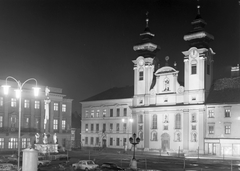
[
  {"x": 134, "y": 141},
  {"x": 130, "y": 120},
  {"x": 19, "y": 96}
]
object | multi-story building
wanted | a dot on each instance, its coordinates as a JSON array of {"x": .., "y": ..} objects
[
  {"x": 32, "y": 117},
  {"x": 193, "y": 116}
]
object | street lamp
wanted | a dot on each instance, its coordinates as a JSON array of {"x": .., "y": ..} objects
[
  {"x": 19, "y": 96},
  {"x": 134, "y": 141},
  {"x": 130, "y": 120}
]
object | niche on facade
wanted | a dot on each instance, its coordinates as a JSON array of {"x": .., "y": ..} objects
[
  {"x": 177, "y": 136},
  {"x": 165, "y": 118},
  {"x": 166, "y": 83},
  {"x": 194, "y": 136},
  {"x": 153, "y": 136},
  {"x": 140, "y": 135}
]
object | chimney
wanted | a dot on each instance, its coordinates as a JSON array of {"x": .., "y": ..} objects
[{"x": 235, "y": 71}]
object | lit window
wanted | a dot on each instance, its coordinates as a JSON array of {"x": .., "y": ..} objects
[
  {"x": 227, "y": 113},
  {"x": 227, "y": 129},
  {"x": 104, "y": 113},
  {"x": 140, "y": 75},
  {"x": 125, "y": 112},
  {"x": 211, "y": 113},
  {"x": 55, "y": 106},
  {"x": 111, "y": 112},
  {"x": 63, "y": 124},
  {"x": 178, "y": 121},
  {"x": 118, "y": 112},
  {"x": 86, "y": 127},
  {"x": 86, "y": 114},
  {"x": 97, "y": 113},
  {"x": 13, "y": 102},
  {"x": 55, "y": 124},
  {"x": 25, "y": 142},
  {"x": 154, "y": 122},
  {"x": 64, "y": 107},
  {"x": 12, "y": 143},
  {"x": 1, "y": 121},
  {"x": 26, "y": 104},
  {"x": 92, "y": 113},
  {"x": 1, "y": 101},
  {"x": 1, "y": 143},
  {"x": 211, "y": 129},
  {"x": 37, "y": 104}
]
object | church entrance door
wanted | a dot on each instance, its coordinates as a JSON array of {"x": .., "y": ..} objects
[{"x": 165, "y": 142}]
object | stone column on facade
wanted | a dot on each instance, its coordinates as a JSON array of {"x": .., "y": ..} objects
[
  {"x": 146, "y": 128},
  {"x": 42, "y": 116},
  {"x": 51, "y": 113},
  {"x": 201, "y": 128},
  {"x": 186, "y": 130},
  {"x": 60, "y": 117},
  {"x": 6, "y": 120},
  {"x": 32, "y": 115}
]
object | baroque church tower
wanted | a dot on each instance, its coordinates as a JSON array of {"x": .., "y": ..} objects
[{"x": 198, "y": 62}]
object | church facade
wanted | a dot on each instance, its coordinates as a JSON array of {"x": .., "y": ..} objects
[{"x": 171, "y": 116}]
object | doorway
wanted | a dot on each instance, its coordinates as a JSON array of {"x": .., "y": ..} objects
[{"x": 165, "y": 142}]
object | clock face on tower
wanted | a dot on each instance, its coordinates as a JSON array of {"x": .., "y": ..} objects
[
  {"x": 141, "y": 62},
  {"x": 194, "y": 53}
]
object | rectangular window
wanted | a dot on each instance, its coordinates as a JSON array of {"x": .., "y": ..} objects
[
  {"x": 1, "y": 143},
  {"x": 1, "y": 103},
  {"x": 118, "y": 112},
  {"x": 37, "y": 104},
  {"x": 25, "y": 142},
  {"x": 227, "y": 113},
  {"x": 86, "y": 140},
  {"x": 104, "y": 113},
  {"x": 211, "y": 129},
  {"x": 55, "y": 124},
  {"x": 193, "y": 127},
  {"x": 55, "y": 106},
  {"x": 13, "y": 102},
  {"x": 117, "y": 127},
  {"x": 1, "y": 121},
  {"x": 86, "y": 114},
  {"x": 92, "y": 113},
  {"x": 97, "y": 141},
  {"x": 125, "y": 112},
  {"x": 63, "y": 124},
  {"x": 194, "y": 69},
  {"x": 26, "y": 103},
  {"x": 64, "y": 107},
  {"x": 124, "y": 127},
  {"x": 111, "y": 112},
  {"x": 227, "y": 129},
  {"x": 111, "y": 141},
  {"x": 211, "y": 113},
  {"x": 111, "y": 127},
  {"x": 91, "y": 141},
  {"x": 12, "y": 143},
  {"x": 86, "y": 127},
  {"x": 97, "y": 127},
  {"x": 37, "y": 123},
  {"x": 140, "y": 75},
  {"x": 26, "y": 122},
  {"x": 92, "y": 127},
  {"x": 97, "y": 113},
  {"x": 124, "y": 140},
  {"x": 104, "y": 128},
  {"x": 118, "y": 142},
  {"x": 165, "y": 127}
]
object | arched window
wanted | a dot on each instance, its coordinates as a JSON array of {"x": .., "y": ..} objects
[
  {"x": 178, "y": 121},
  {"x": 194, "y": 67},
  {"x": 154, "y": 136},
  {"x": 154, "y": 122}
]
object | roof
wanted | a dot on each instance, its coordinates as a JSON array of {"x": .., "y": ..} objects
[
  {"x": 225, "y": 90},
  {"x": 113, "y": 93}
]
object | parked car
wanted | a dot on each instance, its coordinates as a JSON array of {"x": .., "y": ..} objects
[
  {"x": 4, "y": 159},
  {"x": 85, "y": 165},
  {"x": 42, "y": 162},
  {"x": 110, "y": 167}
]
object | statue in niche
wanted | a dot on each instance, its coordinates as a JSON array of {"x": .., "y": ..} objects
[
  {"x": 194, "y": 137},
  {"x": 37, "y": 136},
  {"x": 165, "y": 119},
  {"x": 178, "y": 137},
  {"x": 166, "y": 84}
]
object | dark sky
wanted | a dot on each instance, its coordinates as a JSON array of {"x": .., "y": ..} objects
[{"x": 86, "y": 46}]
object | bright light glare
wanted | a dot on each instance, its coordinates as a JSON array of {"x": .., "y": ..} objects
[
  {"x": 18, "y": 93},
  {"x": 36, "y": 91},
  {"x": 123, "y": 120},
  {"x": 6, "y": 89},
  {"x": 131, "y": 120}
]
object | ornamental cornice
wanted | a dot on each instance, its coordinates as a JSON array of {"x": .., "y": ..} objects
[
  {"x": 197, "y": 35},
  {"x": 147, "y": 46}
]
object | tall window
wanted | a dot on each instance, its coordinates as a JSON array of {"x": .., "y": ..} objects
[
  {"x": 55, "y": 124},
  {"x": 154, "y": 122},
  {"x": 140, "y": 118},
  {"x": 227, "y": 129},
  {"x": 104, "y": 128},
  {"x": 13, "y": 102},
  {"x": 92, "y": 113},
  {"x": 178, "y": 121},
  {"x": 86, "y": 140},
  {"x": 86, "y": 127},
  {"x": 12, "y": 143},
  {"x": 92, "y": 127},
  {"x": 55, "y": 106},
  {"x": 118, "y": 142},
  {"x": 124, "y": 127},
  {"x": 86, "y": 114},
  {"x": 64, "y": 107},
  {"x": 154, "y": 136},
  {"x": 26, "y": 103},
  {"x": 118, "y": 112},
  {"x": 125, "y": 112},
  {"x": 25, "y": 142},
  {"x": 97, "y": 113},
  {"x": 91, "y": 141},
  {"x": 63, "y": 124},
  {"x": 26, "y": 122},
  {"x": 117, "y": 127},
  {"x": 1, "y": 121},
  {"x": 111, "y": 141},
  {"x": 1, "y": 103},
  {"x": 104, "y": 112},
  {"x": 97, "y": 141},
  {"x": 1, "y": 143},
  {"x": 111, "y": 127},
  {"x": 211, "y": 129},
  {"x": 37, "y": 104},
  {"x": 194, "y": 67},
  {"x": 97, "y": 127},
  {"x": 140, "y": 75},
  {"x": 111, "y": 112},
  {"x": 211, "y": 113},
  {"x": 13, "y": 121},
  {"x": 227, "y": 113}
]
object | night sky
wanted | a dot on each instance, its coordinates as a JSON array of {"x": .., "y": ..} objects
[{"x": 86, "y": 46}]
